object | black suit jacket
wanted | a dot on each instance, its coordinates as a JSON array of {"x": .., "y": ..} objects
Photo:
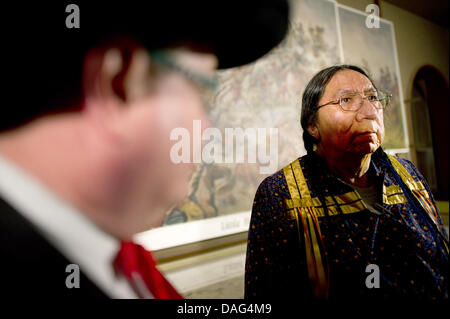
[{"x": 30, "y": 267}]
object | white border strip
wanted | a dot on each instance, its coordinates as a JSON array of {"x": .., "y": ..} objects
[
  {"x": 339, "y": 32},
  {"x": 399, "y": 82},
  {"x": 194, "y": 231}
]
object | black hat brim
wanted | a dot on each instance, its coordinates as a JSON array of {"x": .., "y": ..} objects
[{"x": 237, "y": 31}]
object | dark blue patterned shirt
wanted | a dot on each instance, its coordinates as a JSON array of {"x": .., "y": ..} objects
[{"x": 403, "y": 242}]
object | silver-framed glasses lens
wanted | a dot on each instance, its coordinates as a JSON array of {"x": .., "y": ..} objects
[{"x": 354, "y": 101}]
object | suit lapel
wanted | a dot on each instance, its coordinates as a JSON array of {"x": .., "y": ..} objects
[{"x": 31, "y": 266}]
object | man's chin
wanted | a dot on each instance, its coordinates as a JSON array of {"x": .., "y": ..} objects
[{"x": 366, "y": 148}]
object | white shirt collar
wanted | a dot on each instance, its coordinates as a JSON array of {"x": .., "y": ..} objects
[{"x": 68, "y": 230}]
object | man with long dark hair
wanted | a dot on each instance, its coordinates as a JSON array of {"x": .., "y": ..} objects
[{"x": 346, "y": 220}]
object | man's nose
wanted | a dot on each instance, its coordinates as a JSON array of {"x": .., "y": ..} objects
[{"x": 367, "y": 110}]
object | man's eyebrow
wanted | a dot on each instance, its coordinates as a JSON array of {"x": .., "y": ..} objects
[{"x": 343, "y": 91}]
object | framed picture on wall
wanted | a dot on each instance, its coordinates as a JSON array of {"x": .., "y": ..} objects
[{"x": 373, "y": 47}]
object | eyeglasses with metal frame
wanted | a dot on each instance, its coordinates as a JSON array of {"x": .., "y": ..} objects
[{"x": 353, "y": 101}]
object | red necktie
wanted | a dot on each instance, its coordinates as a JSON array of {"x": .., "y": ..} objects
[{"x": 139, "y": 267}]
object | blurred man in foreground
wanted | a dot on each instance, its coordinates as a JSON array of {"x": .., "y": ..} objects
[{"x": 84, "y": 149}]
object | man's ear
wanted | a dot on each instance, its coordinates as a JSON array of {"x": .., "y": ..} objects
[
  {"x": 313, "y": 130},
  {"x": 115, "y": 73},
  {"x": 101, "y": 67}
]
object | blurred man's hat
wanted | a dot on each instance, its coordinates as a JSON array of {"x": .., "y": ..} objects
[
  {"x": 237, "y": 31},
  {"x": 43, "y": 50}
]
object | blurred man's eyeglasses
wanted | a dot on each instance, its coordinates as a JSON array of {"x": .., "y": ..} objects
[
  {"x": 353, "y": 101},
  {"x": 165, "y": 59}
]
